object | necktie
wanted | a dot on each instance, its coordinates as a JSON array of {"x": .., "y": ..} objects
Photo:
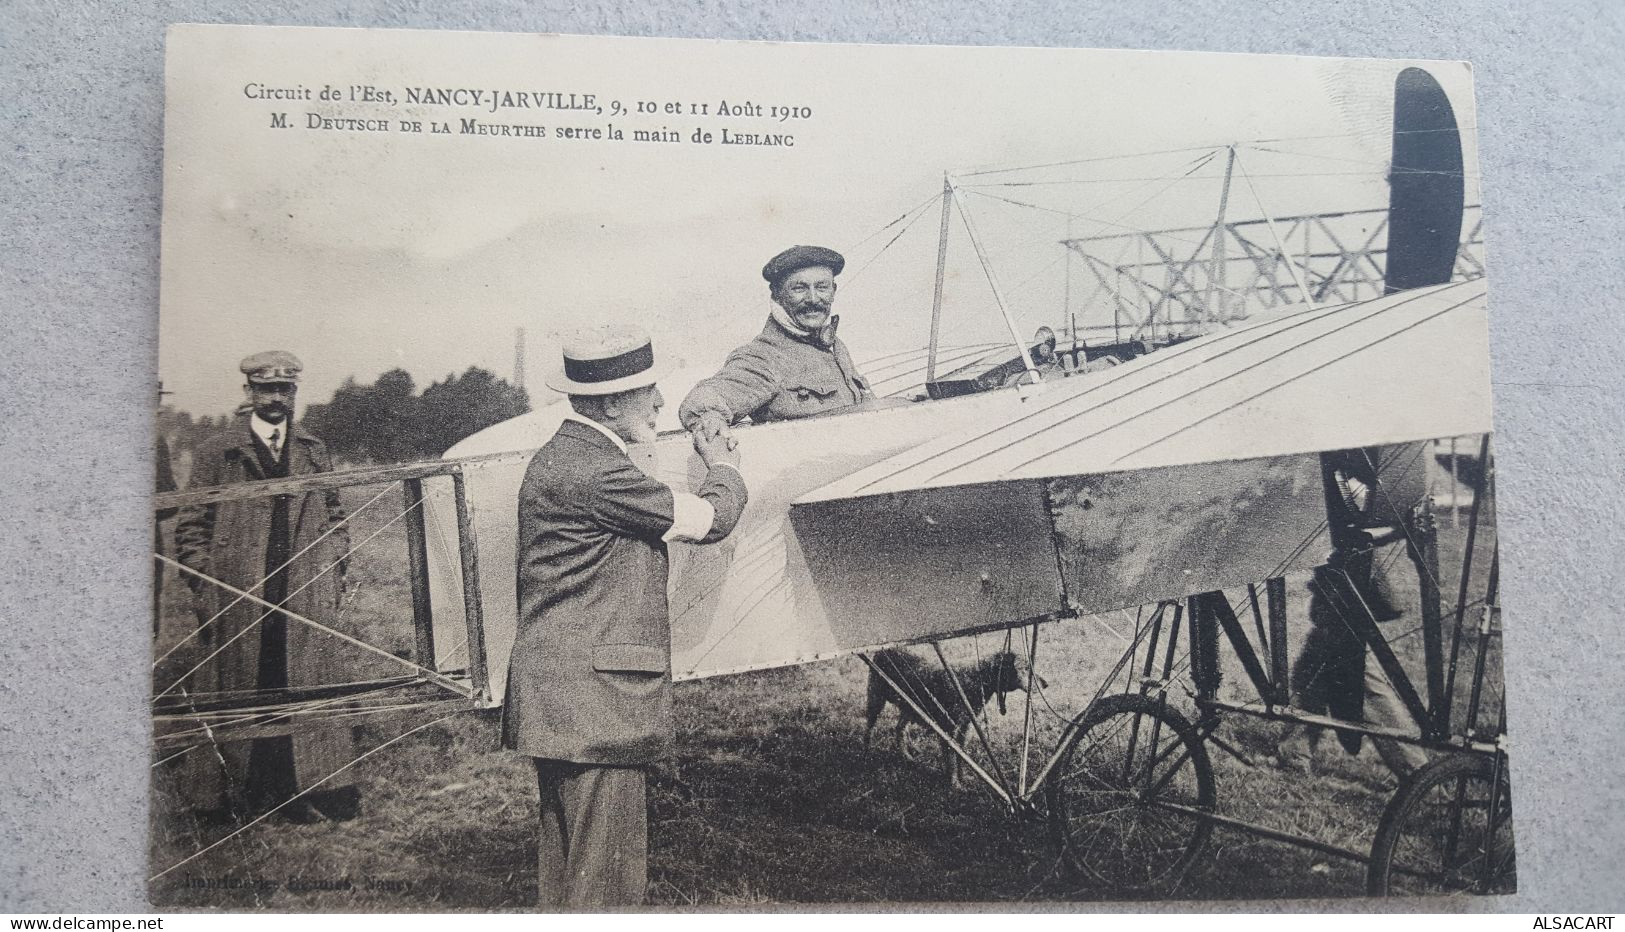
[{"x": 275, "y": 443}]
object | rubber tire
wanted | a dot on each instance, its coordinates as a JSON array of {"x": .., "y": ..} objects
[
  {"x": 1188, "y": 842},
  {"x": 1409, "y": 810}
]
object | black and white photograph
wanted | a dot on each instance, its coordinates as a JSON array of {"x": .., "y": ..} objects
[{"x": 601, "y": 473}]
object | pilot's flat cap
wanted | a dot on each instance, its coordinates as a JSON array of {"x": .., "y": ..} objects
[
  {"x": 800, "y": 257},
  {"x": 271, "y": 367}
]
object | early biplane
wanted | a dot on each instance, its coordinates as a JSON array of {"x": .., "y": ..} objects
[{"x": 1188, "y": 480}]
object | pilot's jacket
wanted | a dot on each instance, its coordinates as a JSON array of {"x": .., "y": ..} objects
[
  {"x": 778, "y": 376},
  {"x": 240, "y": 543},
  {"x": 590, "y": 677}
]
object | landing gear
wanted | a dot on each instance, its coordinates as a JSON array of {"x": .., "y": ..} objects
[
  {"x": 1447, "y": 830},
  {"x": 1128, "y": 795}
]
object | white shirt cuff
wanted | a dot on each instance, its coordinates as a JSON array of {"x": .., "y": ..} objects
[{"x": 691, "y": 518}]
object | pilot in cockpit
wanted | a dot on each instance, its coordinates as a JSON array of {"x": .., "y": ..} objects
[{"x": 796, "y": 367}]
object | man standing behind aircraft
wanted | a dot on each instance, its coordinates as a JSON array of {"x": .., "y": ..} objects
[
  {"x": 278, "y": 549},
  {"x": 796, "y": 367},
  {"x": 589, "y": 685},
  {"x": 1333, "y": 674}
]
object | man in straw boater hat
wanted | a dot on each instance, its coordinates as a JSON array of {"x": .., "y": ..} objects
[
  {"x": 589, "y": 683},
  {"x": 278, "y": 549},
  {"x": 796, "y": 367}
]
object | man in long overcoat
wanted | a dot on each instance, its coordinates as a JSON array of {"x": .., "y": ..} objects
[
  {"x": 274, "y": 548},
  {"x": 796, "y": 367},
  {"x": 589, "y": 684}
]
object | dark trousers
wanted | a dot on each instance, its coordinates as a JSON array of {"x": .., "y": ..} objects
[
  {"x": 593, "y": 848},
  {"x": 272, "y": 776}
]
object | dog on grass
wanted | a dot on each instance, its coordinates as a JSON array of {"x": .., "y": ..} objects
[{"x": 933, "y": 690}]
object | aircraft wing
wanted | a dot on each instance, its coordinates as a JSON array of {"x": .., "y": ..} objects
[
  {"x": 1408, "y": 366},
  {"x": 1182, "y": 471}
]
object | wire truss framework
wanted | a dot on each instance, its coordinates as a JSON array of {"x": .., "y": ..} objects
[
  {"x": 1164, "y": 281},
  {"x": 185, "y": 717}
]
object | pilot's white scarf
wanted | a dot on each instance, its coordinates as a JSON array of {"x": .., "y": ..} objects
[
  {"x": 789, "y": 323},
  {"x": 824, "y": 337}
]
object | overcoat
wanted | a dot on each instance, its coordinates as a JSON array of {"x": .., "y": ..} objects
[
  {"x": 590, "y": 676},
  {"x": 778, "y": 376},
  {"x": 229, "y": 541}
]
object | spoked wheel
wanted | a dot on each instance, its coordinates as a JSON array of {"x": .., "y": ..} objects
[
  {"x": 1127, "y": 796},
  {"x": 1447, "y": 830}
]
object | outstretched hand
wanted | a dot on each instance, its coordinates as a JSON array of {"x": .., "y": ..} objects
[
  {"x": 712, "y": 426},
  {"x": 716, "y": 448}
]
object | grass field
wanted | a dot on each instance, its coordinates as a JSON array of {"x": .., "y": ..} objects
[{"x": 772, "y": 799}]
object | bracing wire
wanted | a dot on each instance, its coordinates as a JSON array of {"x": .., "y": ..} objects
[
  {"x": 918, "y": 213},
  {"x": 1134, "y": 155},
  {"x": 265, "y": 815},
  {"x": 1280, "y": 247},
  {"x": 287, "y": 563}
]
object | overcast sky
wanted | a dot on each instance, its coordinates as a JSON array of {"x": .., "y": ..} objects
[{"x": 361, "y": 252}]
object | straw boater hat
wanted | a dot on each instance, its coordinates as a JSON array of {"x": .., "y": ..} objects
[{"x": 604, "y": 361}]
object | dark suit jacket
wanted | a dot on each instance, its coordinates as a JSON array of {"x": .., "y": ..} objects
[{"x": 590, "y": 676}]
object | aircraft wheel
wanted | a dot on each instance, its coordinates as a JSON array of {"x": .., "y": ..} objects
[
  {"x": 1447, "y": 830},
  {"x": 1129, "y": 759}
]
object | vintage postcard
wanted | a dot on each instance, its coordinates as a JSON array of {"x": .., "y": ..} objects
[{"x": 601, "y": 472}]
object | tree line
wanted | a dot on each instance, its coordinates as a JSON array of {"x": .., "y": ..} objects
[{"x": 384, "y": 421}]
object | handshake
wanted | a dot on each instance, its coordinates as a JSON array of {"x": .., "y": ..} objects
[{"x": 713, "y": 441}]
